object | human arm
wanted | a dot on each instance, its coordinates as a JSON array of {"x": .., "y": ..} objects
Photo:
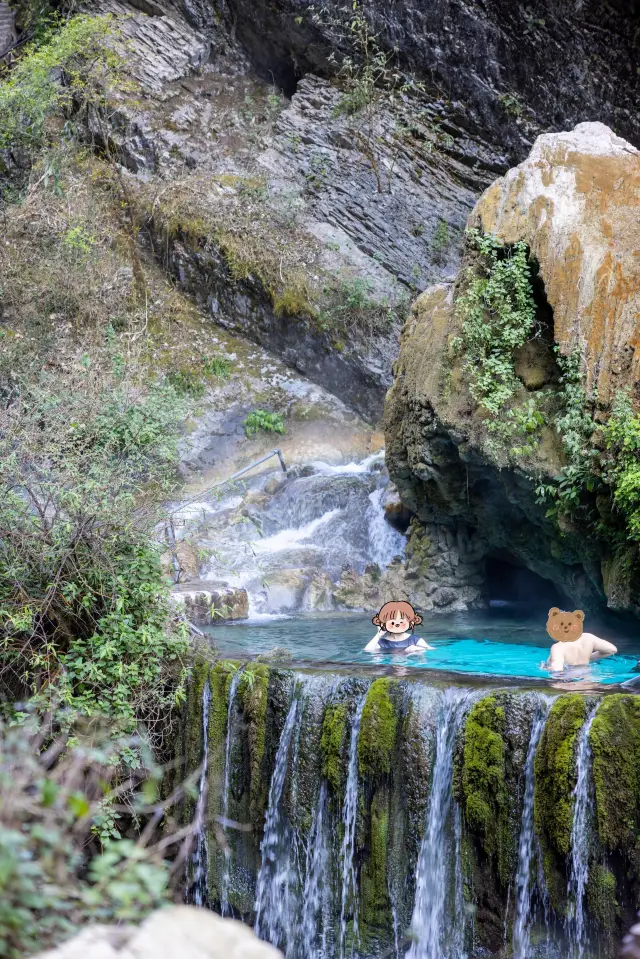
[
  {"x": 372, "y": 645},
  {"x": 601, "y": 647},
  {"x": 419, "y": 646},
  {"x": 556, "y": 659}
]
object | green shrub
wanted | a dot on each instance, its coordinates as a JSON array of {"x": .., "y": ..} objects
[
  {"x": 53, "y": 876},
  {"x": 498, "y": 315},
  {"x": 218, "y": 366},
  {"x": 263, "y": 420},
  {"x": 186, "y": 383},
  {"x": 71, "y": 68},
  {"x": 85, "y": 463}
]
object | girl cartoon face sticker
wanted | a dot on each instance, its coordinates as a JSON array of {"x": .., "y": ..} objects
[{"x": 397, "y": 617}]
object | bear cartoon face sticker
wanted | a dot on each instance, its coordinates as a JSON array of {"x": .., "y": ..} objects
[{"x": 565, "y": 627}]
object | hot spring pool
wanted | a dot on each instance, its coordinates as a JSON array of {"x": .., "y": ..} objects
[{"x": 489, "y": 643}]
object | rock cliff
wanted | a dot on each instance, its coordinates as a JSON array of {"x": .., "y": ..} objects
[{"x": 573, "y": 204}]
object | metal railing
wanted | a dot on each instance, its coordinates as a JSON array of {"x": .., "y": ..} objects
[{"x": 170, "y": 531}]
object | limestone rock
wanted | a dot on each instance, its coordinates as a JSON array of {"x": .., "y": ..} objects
[
  {"x": 177, "y": 931},
  {"x": 205, "y": 606},
  {"x": 574, "y": 202}
]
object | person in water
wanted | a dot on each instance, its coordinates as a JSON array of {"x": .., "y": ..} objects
[
  {"x": 572, "y": 646},
  {"x": 396, "y": 621}
]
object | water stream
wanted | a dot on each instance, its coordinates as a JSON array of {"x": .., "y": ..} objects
[
  {"x": 349, "y": 815},
  {"x": 433, "y": 880},
  {"x": 579, "y": 860},
  {"x": 314, "y": 927},
  {"x": 198, "y": 889},
  {"x": 273, "y": 907},
  {"x": 527, "y": 843},
  {"x": 224, "y": 880}
]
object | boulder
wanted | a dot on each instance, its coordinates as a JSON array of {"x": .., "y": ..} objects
[
  {"x": 574, "y": 202},
  {"x": 206, "y": 606},
  {"x": 177, "y": 931}
]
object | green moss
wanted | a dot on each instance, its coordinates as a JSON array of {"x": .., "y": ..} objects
[
  {"x": 193, "y": 737},
  {"x": 253, "y": 697},
  {"x": 334, "y": 728},
  {"x": 601, "y": 897},
  {"x": 615, "y": 744},
  {"x": 554, "y": 783},
  {"x": 374, "y": 894},
  {"x": 555, "y": 771},
  {"x": 378, "y": 729},
  {"x": 220, "y": 677},
  {"x": 485, "y": 796}
]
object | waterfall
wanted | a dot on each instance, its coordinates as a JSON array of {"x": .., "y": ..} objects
[
  {"x": 432, "y": 877},
  {"x": 315, "y": 895},
  {"x": 579, "y": 859},
  {"x": 224, "y": 879},
  {"x": 349, "y": 816},
  {"x": 199, "y": 891},
  {"x": 273, "y": 896},
  {"x": 527, "y": 844},
  {"x": 385, "y": 541}
]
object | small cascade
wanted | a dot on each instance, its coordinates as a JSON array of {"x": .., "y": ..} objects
[
  {"x": 579, "y": 859},
  {"x": 349, "y": 817},
  {"x": 433, "y": 940},
  {"x": 385, "y": 542},
  {"x": 224, "y": 880},
  {"x": 273, "y": 912},
  {"x": 527, "y": 844},
  {"x": 314, "y": 926},
  {"x": 198, "y": 888}
]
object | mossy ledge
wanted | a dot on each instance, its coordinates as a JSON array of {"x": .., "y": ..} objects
[
  {"x": 486, "y": 803},
  {"x": 334, "y": 728},
  {"x": 615, "y": 745},
  {"x": 253, "y": 698},
  {"x": 378, "y": 730},
  {"x": 555, "y": 779}
]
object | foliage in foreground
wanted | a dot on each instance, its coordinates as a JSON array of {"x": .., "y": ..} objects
[
  {"x": 53, "y": 876},
  {"x": 85, "y": 619},
  {"x": 71, "y": 68}
]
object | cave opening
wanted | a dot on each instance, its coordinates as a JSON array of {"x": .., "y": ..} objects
[{"x": 509, "y": 584}]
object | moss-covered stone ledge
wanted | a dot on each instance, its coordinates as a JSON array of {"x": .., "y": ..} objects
[{"x": 396, "y": 753}]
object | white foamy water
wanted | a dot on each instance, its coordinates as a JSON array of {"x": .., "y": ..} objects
[
  {"x": 579, "y": 860},
  {"x": 385, "y": 542},
  {"x": 527, "y": 843},
  {"x": 290, "y": 538},
  {"x": 200, "y": 858},
  {"x": 349, "y": 817},
  {"x": 436, "y": 935},
  {"x": 273, "y": 888},
  {"x": 364, "y": 466},
  {"x": 224, "y": 882}
]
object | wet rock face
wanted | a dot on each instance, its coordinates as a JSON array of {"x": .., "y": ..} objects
[
  {"x": 395, "y": 752},
  {"x": 574, "y": 203},
  {"x": 517, "y": 67}
]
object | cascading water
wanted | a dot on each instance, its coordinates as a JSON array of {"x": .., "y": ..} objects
[
  {"x": 314, "y": 926},
  {"x": 527, "y": 844},
  {"x": 224, "y": 880},
  {"x": 385, "y": 542},
  {"x": 579, "y": 860},
  {"x": 349, "y": 817},
  {"x": 198, "y": 888},
  {"x": 432, "y": 937},
  {"x": 273, "y": 895},
  {"x": 321, "y": 518}
]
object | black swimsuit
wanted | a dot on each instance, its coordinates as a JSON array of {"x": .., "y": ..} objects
[{"x": 385, "y": 643}]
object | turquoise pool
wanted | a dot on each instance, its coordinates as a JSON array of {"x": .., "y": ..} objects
[{"x": 499, "y": 643}]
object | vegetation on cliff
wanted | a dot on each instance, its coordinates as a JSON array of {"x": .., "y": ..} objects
[{"x": 555, "y": 780}]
